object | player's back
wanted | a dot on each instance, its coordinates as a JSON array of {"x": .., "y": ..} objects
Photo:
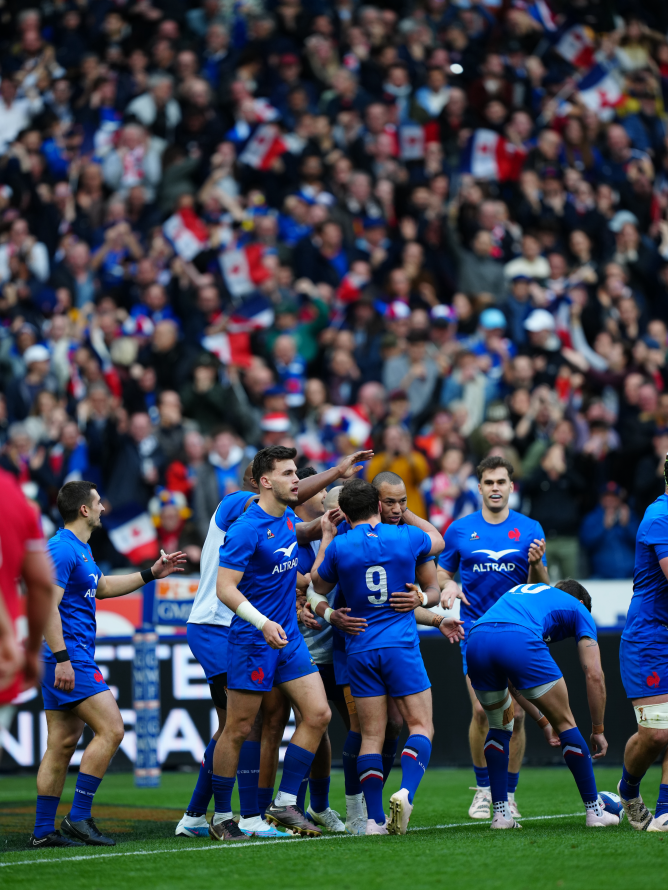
[
  {"x": 549, "y": 612},
  {"x": 371, "y": 563},
  {"x": 207, "y": 608},
  {"x": 647, "y": 618}
]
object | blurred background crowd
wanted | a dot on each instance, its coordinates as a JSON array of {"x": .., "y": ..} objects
[{"x": 436, "y": 228}]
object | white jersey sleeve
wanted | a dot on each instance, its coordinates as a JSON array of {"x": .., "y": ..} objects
[{"x": 207, "y": 608}]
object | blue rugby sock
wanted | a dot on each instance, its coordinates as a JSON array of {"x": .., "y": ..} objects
[
  {"x": 296, "y": 766},
  {"x": 578, "y": 760},
  {"x": 481, "y": 776},
  {"x": 497, "y": 748},
  {"x": 83, "y": 796},
  {"x": 264, "y": 798},
  {"x": 222, "y": 792},
  {"x": 248, "y": 777},
  {"x": 629, "y": 787},
  {"x": 662, "y": 802},
  {"x": 45, "y": 815},
  {"x": 351, "y": 749},
  {"x": 319, "y": 792},
  {"x": 513, "y": 780},
  {"x": 388, "y": 754},
  {"x": 370, "y": 770},
  {"x": 199, "y": 802},
  {"x": 414, "y": 761},
  {"x": 301, "y": 795}
]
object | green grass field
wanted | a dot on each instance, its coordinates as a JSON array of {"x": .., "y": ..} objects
[{"x": 442, "y": 848}]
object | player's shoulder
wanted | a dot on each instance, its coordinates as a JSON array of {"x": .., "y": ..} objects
[
  {"x": 656, "y": 517},
  {"x": 464, "y": 526}
]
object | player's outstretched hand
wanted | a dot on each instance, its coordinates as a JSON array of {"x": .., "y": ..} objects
[
  {"x": 600, "y": 745},
  {"x": 450, "y": 593},
  {"x": 351, "y": 464},
  {"x": 168, "y": 563},
  {"x": 551, "y": 737},
  {"x": 406, "y": 600},
  {"x": 64, "y": 677},
  {"x": 274, "y": 635},
  {"x": 353, "y": 626},
  {"x": 536, "y": 550},
  {"x": 309, "y": 619},
  {"x": 452, "y": 629}
]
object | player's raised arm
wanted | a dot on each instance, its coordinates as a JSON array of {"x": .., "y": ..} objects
[
  {"x": 590, "y": 659},
  {"x": 538, "y": 573},
  {"x": 350, "y": 465},
  {"x": 119, "y": 585},
  {"x": 437, "y": 543},
  {"x": 230, "y": 595}
]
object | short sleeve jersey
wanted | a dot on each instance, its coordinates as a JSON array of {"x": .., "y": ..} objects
[
  {"x": 369, "y": 563},
  {"x": 647, "y": 618},
  {"x": 552, "y": 614},
  {"x": 264, "y": 548},
  {"x": 491, "y": 558},
  {"x": 74, "y": 570},
  {"x": 319, "y": 642}
]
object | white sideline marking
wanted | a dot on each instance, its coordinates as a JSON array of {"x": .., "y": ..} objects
[{"x": 259, "y": 843}]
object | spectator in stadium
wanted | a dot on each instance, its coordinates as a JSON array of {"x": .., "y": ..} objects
[
  {"x": 398, "y": 456},
  {"x": 608, "y": 535}
]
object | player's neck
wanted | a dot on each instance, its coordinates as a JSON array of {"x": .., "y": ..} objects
[
  {"x": 305, "y": 514},
  {"x": 80, "y": 530},
  {"x": 270, "y": 505},
  {"x": 495, "y": 518},
  {"x": 373, "y": 522}
]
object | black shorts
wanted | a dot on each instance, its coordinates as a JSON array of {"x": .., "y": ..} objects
[
  {"x": 218, "y": 687},
  {"x": 334, "y": 692}
]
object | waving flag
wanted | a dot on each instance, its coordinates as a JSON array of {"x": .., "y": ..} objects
[
  {"x": 599, "y": 88},
  {"x": 411, "y": 142},
  {"x": 489, "y": 156},
  {"x": 264, "y": 146},
  {"x": 132, "y": 533},
  {"x": 576, "y": 45},
  {"x": 243, "y": 269},
  {"x": 541, "y": 13},
  {"x": 230, "y": 349},
  {"x": 187, "y": 233}
]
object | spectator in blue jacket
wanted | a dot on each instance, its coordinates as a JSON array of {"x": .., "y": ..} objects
[{"x": 608, "y": 534}]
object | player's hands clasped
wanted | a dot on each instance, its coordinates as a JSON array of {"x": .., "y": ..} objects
[
  {"x": 600, "y": 745},
  {"x": 406, "y": 600},
  {"x": 64, "y": 677},
  {"x": 452, "y": 629},
  {"x": 274, "y": 635},
  {"x": 345, "y": 622},
  {"x": 168, "y": 564}
]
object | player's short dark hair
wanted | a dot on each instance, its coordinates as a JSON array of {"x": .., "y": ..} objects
[
  {"x": 266, "y": 459},
  {"x": 386, "y": 478},
  {"x": 577, "y": 590},
  {"x": 305, "y": 472},
  {"x": 494, "y": 463},
  {"x": 72, "y": 496},
  {"x": 358, "y": 500}
]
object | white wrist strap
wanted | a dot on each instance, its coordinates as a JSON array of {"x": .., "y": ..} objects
[
  {"x": 328, "y": 615},
  {"x": 251, "y": 615},
  {"x": 425, "y": 598},
  {"x": 313, "y": 598}
]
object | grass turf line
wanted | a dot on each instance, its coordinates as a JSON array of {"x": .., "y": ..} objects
[{"x": 557, "y": 852}]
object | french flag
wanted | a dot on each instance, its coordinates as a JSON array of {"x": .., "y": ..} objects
[
  {"x": 599, "y": 88},
  {"x": 262, "y": 149},
  {"x": 133, "y": 533},
  {"x": 186, "y": 233},
  {"x": 489, "y": 156},
  {"x": 411, "y": 142},
  {"x": 541, "y": 13},
  {"x": 576, "y": 45},
  {"x": 230, "y": 349},
  {"x": 243, "y": 269}
]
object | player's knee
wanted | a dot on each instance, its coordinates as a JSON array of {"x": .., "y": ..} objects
[
  {"x": 654, "y": 738},
  {"x": 519, "y": 719},
  {"x": 479, "y": 716},
  {"x": 318, "y": 717},
  {"x": 65, "y": 745},
  {"x": 114, "y": 734}
]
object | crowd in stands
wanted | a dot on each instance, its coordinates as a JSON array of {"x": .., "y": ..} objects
[{"x": 437, "y": 228}]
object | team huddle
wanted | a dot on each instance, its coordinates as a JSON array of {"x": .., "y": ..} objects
[{"x": 309, "y": 599}]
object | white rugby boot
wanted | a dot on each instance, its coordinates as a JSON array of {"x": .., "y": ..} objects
[
  {"x": 355, "y": 814},
  {"x": 192, "y": 826},
  {"x": 372, "y": 827},
  {"x": 400, "y": 812},
  {"x": 501, "y": 821},
  {"x": 328, "y": 818},
  {"x": 514, "y": 811},
  {"x": 659, "y": 823},
  {"x": 481, "y": 808},
  {"x": 600, "y": 819},
  {"x": 636, "y": 812},
  {"x": 255, "y": 826}
]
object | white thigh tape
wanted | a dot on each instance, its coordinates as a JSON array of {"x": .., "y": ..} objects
[
  {"x": 498, "y": 718},
  {"x": 536, "y": 691},
  {"x": 652, "y": 716}
]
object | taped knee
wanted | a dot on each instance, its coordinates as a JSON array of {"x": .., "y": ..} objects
[
  {"x": 350, "y": 701},
  {"x": 652, "y": 716},
  {"x": 502, "y": 717}
]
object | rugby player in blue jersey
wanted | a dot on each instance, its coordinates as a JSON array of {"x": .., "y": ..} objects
[
  {"x": 208, "y": 630},
  {"x": 73, "y": 687},
  {"x": 507, "y": 650},
  {"x": 257, "y": 580},
  {"x": 494, "y": 549},
  {"x": 643, "y": 655},
  {"x": 368, "y": 562}
]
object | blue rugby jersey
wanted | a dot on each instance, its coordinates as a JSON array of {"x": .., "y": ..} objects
[{"x": 647, "y": 618}]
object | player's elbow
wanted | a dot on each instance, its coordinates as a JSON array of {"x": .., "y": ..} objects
[
  {"x": 437, "y": 545},
  {"x": 319, "y": 585}
]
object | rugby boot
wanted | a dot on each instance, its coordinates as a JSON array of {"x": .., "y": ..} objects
[
  {"x": 400, "y": 812},
  {"x": 481, "y": 807},
  {"x": 659, "y": 823},
  {"x": 602, "y": 819},
  {"x": 86, "y": 831},
  {"x": 328, "y": 818},
  {"x": 372, "y": 827},
  {"x": 227, "y": 830},
  {"x": 292, "y": 819},
  {"x": 257, "y": 827},
  {"x": 636, "y": 812},
  {"x": 192, "y": 826},
  {"x": 52, "y": 839},
  {"x": 514, "y": 811},
  {"x": 501, "y": 821}
]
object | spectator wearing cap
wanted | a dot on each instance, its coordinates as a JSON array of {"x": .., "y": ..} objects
[
  {"x": 493, "y": 347},
  {"x": 398, "y": 456},
  {"x": 415, "y": 372},
  {"x": 530, "y": 263},
  {"x": 543, "y": 345},
  {"x": 608, "y": 535},
  {"x": 22, "y": 391},
  {"x": 275, "y": 426}
]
